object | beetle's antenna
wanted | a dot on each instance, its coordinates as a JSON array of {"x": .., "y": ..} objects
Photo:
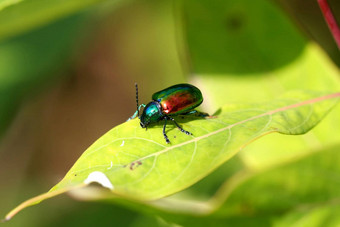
[{"x": 137, "y": 98}]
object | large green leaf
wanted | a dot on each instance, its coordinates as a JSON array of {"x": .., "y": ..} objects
[{"x": 139, "y": 164}]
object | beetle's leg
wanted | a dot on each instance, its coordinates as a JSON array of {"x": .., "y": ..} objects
[
  {"x": 164, "y": 134},
  {"x": 191, "y": 112},
  {"x": 179, "y": 127},
  {"x": 140, "y": 106},
  {"x": 133, "y": 116},
  {"x": 136, "y": 113}
]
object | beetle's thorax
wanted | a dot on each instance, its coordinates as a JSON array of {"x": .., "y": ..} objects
[{"x": 152, "y": 113}]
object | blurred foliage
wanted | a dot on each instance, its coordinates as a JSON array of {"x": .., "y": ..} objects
[
  {"x": 228, "y": 37},
  {"x": 71, "y": 66},
  {"x": 29, "y": 61},
  {"x": 308, "y": 19},
  {"x": 18, "y": 16}
]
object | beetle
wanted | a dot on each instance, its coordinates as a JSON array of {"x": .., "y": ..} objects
[{"x": 179, "y": 99}]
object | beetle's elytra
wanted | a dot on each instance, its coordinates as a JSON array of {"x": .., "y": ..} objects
[{"x": 179, "y": 99}]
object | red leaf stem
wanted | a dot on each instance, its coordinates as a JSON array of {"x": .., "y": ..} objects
[{"x": 330, "y": 19}]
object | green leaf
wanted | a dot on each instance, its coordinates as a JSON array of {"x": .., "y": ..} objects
[
  {"x": 326, "y": 214},
  {"x": 5, "y": 3},
  {"x": 304, "y": 190},
  {"x": 138, "y": 164},
  {"x": 239, "y": 37},
  {"x": 306, "y": 182},
  {"x": 20, "y": 16}
]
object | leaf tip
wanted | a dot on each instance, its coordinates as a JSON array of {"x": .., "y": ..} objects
[{"x": 6, "y": 219}]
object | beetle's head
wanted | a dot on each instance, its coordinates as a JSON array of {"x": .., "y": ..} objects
[{"x": 152, "y": 113}]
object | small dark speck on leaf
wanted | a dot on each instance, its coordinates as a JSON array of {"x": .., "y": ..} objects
[
  {"x": 134, "y": 165},
  {"x": 235, "y": 22}
]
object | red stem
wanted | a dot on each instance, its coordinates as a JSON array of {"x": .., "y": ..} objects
[{"x": 330, "y": 19}]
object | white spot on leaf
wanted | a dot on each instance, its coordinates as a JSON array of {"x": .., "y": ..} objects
[
  {"x": 110, "y": 166},
  {"x": 100, "y": 178},
  {"x": 122, "y": 143}
]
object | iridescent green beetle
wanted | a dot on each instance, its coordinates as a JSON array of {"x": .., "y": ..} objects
[{"x": 179, "y": 99}]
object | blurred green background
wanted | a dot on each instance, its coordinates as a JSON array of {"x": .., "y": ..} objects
[{"x": 67, "y": 74}]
